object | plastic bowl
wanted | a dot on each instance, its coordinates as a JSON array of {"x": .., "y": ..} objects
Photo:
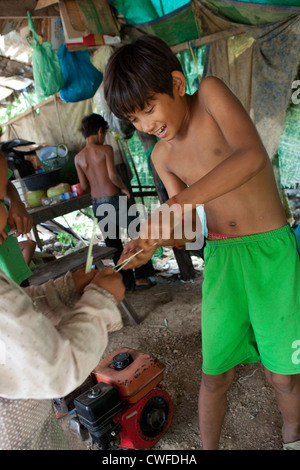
[{"x": 60, "y": 150}]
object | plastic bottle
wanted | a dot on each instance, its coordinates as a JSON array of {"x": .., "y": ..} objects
[{"x": 49, "y": 201}]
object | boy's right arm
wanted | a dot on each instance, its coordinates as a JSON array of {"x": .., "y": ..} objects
[{"x": 112, "y": 173}]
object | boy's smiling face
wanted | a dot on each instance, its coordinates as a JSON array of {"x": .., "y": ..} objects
[
  {"x": 162, "y": 116},
  {"x": 155, "y": 118}
]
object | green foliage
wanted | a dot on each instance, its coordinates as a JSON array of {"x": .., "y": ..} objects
[
  {"x": 66, "y": 240},
  {"x": 21, "y": 103}
]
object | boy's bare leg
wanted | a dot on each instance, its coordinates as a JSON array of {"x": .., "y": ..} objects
[
  {"x": 212, "y": 407},
  {"x": 287, "y": 390}
]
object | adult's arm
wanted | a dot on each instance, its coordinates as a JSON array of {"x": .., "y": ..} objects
[{"x": 40, "y": 359}]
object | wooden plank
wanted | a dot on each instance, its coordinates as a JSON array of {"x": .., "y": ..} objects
[
  {"x": 97, "y": 17},
  {"x": 208, "y": 39},
  {"x": 45, "y": 3},
  {"x": 44, "y": 213},
  {"x": 14, "y": 9},
  {"x": 72, "y": 262},
  {"x": 10, "y": 67},
  {"x": 29, "y": 111},
  {"x": 70, "y": 29}
]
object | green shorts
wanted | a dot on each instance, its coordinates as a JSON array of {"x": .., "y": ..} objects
[{"x": 251, "y": 302}]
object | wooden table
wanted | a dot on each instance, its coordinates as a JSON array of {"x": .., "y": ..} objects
[
  {"x": 49, "y": 213},
  {"x": 71, "y": 262},
  {"x": 43, "y": 213}
]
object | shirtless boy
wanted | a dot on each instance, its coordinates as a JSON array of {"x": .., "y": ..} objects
[
  {"x": 210, "y": 153},
  {"x": 97, "y": 174}
]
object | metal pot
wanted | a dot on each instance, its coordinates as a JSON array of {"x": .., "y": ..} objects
[{"x": 42, "y": 180}]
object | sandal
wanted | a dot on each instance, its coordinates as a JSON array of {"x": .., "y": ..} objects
[
  {"x": 150, "y": 284},
  {"x": 292, "y": 446}
]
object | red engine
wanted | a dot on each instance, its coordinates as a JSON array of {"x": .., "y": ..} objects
[{"x": 126, "y": 408}]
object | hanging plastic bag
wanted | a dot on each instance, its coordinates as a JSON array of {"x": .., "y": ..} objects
[
  {"x": 47, "y": 73},
  {"x": 82, "y": 79}
]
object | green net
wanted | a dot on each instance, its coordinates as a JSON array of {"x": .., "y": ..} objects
[
  {"x": 289, "y": 149},
  {"x": 192, "y": 62}
]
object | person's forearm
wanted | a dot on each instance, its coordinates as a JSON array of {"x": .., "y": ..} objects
[
  {"x": 84, "y": 185},
  {"x": 35, "y": 344},
  {"x": 13, "y": 194}
]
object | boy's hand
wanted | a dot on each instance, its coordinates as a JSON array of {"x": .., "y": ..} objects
[
  {"x": 133, "y": 247},
  {"x": 125, "y": 192},
  {"x": 19, "y": 219},
  {"x": 3, "y": 218},
  {"x": 111, "y": 281}
]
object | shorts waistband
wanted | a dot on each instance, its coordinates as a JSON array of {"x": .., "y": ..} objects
[
  {"x": 211, "y": 236},
  {"x": 100, "y": 200},
  {"x": 251, "y": 238}
]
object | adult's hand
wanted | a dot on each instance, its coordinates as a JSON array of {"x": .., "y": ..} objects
[{"x": 111, "y": 281}]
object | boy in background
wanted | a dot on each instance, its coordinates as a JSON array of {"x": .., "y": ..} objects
[
  {"x": 97, "y": 174},
  {"x": 209, "y": 153}
]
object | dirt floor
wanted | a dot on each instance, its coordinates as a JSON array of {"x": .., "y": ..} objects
[{"x": 169, "y": 329}]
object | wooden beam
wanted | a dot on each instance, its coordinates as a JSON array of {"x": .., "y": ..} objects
[
  {"x": 208, "y": 39},
  {"x": 16, "y": 10},
  {"x": 10, "y": 67},
  {"x": 28, "y": 111}
]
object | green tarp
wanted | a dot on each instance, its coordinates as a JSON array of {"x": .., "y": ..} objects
[
  {"x": 176, "y": 25},
  {"x": 142, "y": 11},
  {"x": 253, "y": 13}
]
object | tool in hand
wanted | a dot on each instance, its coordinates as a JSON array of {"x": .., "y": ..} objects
[
  {"x": 89, "y": 260},
  {"x": 127, "y": 260}
]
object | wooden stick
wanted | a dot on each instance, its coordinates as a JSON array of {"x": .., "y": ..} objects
[{"x": 89, "y": 259}]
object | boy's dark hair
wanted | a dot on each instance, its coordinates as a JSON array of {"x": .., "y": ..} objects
[
  {"x": 91, "y": 124},
  {"x": 135, "y": 72}
]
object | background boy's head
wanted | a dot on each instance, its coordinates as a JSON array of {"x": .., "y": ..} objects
[
  {"x": 137, "y": 71},
  {"x": 91, "y": 124}
]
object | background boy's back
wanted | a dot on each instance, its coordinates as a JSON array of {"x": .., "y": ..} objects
[{"x": 93, "y": 164}]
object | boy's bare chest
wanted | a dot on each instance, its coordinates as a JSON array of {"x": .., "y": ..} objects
[
  {"x": 193, "y": 158},
  {"x": 199, "y": 150}
]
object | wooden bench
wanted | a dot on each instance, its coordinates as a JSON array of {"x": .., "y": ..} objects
[{"x": 72, "y": 262}]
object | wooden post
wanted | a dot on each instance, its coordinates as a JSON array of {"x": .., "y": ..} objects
[{"x": 183, "y": 257}]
